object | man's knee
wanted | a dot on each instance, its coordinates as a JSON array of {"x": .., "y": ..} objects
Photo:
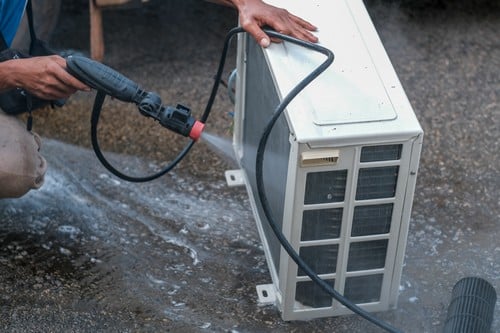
[{"x": 22, "y": 168}]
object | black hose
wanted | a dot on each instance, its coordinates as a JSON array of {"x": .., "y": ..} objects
[
  {"x": 259, "y": 159},
  {"x": 263, "y": 198},
  {"x": 96, "y": 112}
]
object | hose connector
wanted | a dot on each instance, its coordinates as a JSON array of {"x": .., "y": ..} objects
[{"x": 150, "y": 105}]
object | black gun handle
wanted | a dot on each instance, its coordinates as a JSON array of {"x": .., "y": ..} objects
[{"x": 101, "y": 77}]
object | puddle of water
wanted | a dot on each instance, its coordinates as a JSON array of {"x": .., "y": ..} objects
[{"x": 165, "y": 248}]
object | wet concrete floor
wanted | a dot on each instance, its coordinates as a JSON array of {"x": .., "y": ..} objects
[{"x": 92, "y": 253}]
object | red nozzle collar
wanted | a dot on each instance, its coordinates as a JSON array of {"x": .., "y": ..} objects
[{"x": 196, "y": 130}]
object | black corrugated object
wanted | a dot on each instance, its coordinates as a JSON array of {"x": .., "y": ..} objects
[{"x": 471, "y": 308}]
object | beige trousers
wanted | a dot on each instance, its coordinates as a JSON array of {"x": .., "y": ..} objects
[{"x": 22, "y": 168}]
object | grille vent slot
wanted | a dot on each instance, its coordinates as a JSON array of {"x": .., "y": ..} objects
[
  {"x": 321, "y": 224},
  {"x": 363, "y": 289},
  {"x": 310, "y": 294},
  {"x": 375, "y": 183},
  {"x": 321, "y": 259},
  {"x": 381, "y": 153},
  {"x": 367, "y": 255},
  {"x": 324, "y": 187},
  {"x": 372, "y": 220}
]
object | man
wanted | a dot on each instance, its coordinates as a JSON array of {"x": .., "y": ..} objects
[{"x": 21, "y": 166}]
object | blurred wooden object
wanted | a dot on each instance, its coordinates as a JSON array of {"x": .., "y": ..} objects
[
  {"x": 96, "y": 32},
  {"x": 96, "y": 27}
]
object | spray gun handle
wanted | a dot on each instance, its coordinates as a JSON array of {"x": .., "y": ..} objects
[{"x": 101, "y": 77}]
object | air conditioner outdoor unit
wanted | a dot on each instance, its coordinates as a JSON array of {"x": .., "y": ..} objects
[{"x": 340, "y": 165}]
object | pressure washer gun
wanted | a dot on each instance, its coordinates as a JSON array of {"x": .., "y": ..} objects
[{"x": 108, "y": 81}]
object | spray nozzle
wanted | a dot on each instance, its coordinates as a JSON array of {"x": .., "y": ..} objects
[{"x": 177, "y": 119}]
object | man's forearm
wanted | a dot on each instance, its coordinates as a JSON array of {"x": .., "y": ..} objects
[
  {"x": 223, "y": 2},
  {"x": 233, "y": 3},
  {"x": 5, "y": 77}
]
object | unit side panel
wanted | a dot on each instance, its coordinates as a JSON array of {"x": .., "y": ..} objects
[{"x": 260, "y": 102}]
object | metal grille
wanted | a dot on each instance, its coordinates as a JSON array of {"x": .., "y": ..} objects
[
  {"x": 321, "y": 224},
  {"x": 321, "y": 259},
  {"x": 374, "y": 183},
  {"x": 372, "y": 220},
  {"x": 363, "y": 289},
  {"x": 381, "y": 153},
  {"x": 367, "y": 255},
  {"x": 324, "y": 187},
  {"x": 310, "y": 294}
]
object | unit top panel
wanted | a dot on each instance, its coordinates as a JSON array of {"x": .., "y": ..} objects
[{"x": 360, "y": 87}]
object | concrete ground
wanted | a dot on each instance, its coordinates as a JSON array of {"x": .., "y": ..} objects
[{"x": 91, "y": 253}]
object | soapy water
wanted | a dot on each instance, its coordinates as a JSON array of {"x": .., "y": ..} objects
[
  {"x": 166, "y": 247},
  {"x": 160, "y": 253}
]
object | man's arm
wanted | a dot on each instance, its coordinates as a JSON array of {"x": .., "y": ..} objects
[
  {"x": 222, "y": 2},
  {"x": 255, "y": 14}
]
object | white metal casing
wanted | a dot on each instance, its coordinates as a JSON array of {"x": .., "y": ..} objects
[{"x": 334, "y": 130}]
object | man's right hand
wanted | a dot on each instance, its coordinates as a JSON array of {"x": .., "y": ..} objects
[
  {"x": 45, "y": 77},
  {"x": 255, "y": 14}
]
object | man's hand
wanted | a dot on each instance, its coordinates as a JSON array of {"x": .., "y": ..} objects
[
  {"x": 255, "y": 14},
  {"x": 45, "y": 77}
]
